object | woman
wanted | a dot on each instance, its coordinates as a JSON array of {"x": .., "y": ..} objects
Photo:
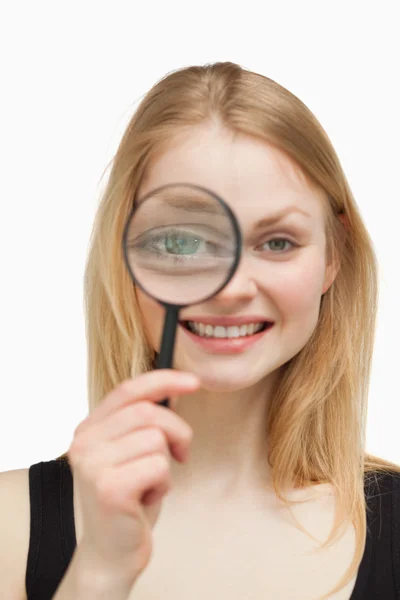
[{"x": 271, "y": 493}]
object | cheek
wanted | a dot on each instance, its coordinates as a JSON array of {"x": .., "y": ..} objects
[
  {"x": 298, "y": 291},
  {"x": 153, "y": 318}
]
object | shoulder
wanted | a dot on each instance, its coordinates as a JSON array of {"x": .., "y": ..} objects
[
  {"x": 386, "y": 481},
  {"x": 382, "y": 493},
  {"x": 15, "y": 531}
]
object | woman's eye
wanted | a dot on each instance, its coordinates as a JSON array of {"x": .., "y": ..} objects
[
  {"x": 278, "y": 244},
  {"x": 182, "y": 245}
]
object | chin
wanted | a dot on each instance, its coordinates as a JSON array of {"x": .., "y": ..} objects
[
  {"x": 225, "y": 386},
  {"x": 217, "y": 377}
]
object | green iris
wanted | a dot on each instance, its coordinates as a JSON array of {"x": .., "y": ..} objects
[{"x": 178, "y": 244}]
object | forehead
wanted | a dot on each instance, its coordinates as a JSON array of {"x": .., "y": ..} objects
[{"x": 252, "y": 176}]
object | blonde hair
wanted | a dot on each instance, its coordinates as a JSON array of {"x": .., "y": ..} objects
[{"x": 317, "y": 419}]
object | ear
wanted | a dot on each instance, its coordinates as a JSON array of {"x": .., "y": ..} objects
[
  {"x": 332, "y": 269},
  {"x": 330, "y": 275},
  {"x": 343, "y": 218}
]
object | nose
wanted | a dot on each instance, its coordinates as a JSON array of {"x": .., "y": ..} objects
[{"x": 241, "y": 286}]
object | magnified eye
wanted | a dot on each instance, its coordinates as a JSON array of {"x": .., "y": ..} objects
[{"x": 181, "y": 243}]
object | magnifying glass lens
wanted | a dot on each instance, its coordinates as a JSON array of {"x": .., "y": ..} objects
[{"x": 181, "y": 244}]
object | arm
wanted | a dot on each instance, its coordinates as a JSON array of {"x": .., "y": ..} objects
[{"x": 14, "y": 532}]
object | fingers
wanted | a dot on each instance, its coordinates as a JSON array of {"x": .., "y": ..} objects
[
  {"x": 138, "y": 417},
  {"x": 153, "y": 387}
]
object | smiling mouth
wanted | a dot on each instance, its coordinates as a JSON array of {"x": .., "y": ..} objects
[{"x": 221, "y": 332}]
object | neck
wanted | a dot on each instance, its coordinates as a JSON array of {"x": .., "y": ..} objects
[{"x": 228, "y": 452}]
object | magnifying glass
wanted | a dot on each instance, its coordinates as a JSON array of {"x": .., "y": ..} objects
[{"x": 181, "y": 245}]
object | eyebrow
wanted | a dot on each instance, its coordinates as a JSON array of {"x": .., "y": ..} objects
[
  {"x": 279, "y": 216},
  {"x": 197, "y": 205},
  {"x": 193, "y": 203}
]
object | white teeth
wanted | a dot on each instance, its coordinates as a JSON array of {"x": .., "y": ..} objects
[
  {"x": 233, "y": 331},
  {"x": 243, "y": 329},
  {"x": 208, "y": 331},
  {"x": 224, "y": 332},
  {"x": 220, "y": 332}
]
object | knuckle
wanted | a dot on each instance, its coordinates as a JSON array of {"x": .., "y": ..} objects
[
  {"x": 145, "y": 411},
  {"x": 125, "y": 387},
  {"x": 77, "y": 448},
  {"x": 161, "y": 464},
  {"x": 81, "y": 427},
  {"x": 157, "y": 439}
]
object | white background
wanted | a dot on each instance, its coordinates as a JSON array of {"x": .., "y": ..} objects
[{"x": 72, "y": 74}]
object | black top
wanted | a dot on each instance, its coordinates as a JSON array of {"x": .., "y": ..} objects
[{"x": 53, "y": 541}]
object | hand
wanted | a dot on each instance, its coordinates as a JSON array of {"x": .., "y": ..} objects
[{"x": 120, "y": 458}]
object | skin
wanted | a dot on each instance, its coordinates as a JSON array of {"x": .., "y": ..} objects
[{"x": 281, "y": 282}]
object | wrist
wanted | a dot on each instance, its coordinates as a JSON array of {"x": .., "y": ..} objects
[{"x": 101, "y": 580}]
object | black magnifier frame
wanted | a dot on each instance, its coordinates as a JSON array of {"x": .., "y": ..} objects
[{"x": 165, "y": 357}]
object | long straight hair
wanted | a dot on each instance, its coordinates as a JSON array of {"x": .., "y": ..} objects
[{"x": 317, "y": 419}]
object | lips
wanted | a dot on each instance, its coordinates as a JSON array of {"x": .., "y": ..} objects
[{"x": 219, "y": 343}]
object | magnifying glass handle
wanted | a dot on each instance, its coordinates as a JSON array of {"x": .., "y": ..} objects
[{"x": 165, "y": 358}]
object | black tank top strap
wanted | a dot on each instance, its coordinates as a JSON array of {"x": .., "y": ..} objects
[
  {"x": 396, "y": 531},
  {"x": 52, "y": 530},
  {"x": 379, "y": 572}
]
